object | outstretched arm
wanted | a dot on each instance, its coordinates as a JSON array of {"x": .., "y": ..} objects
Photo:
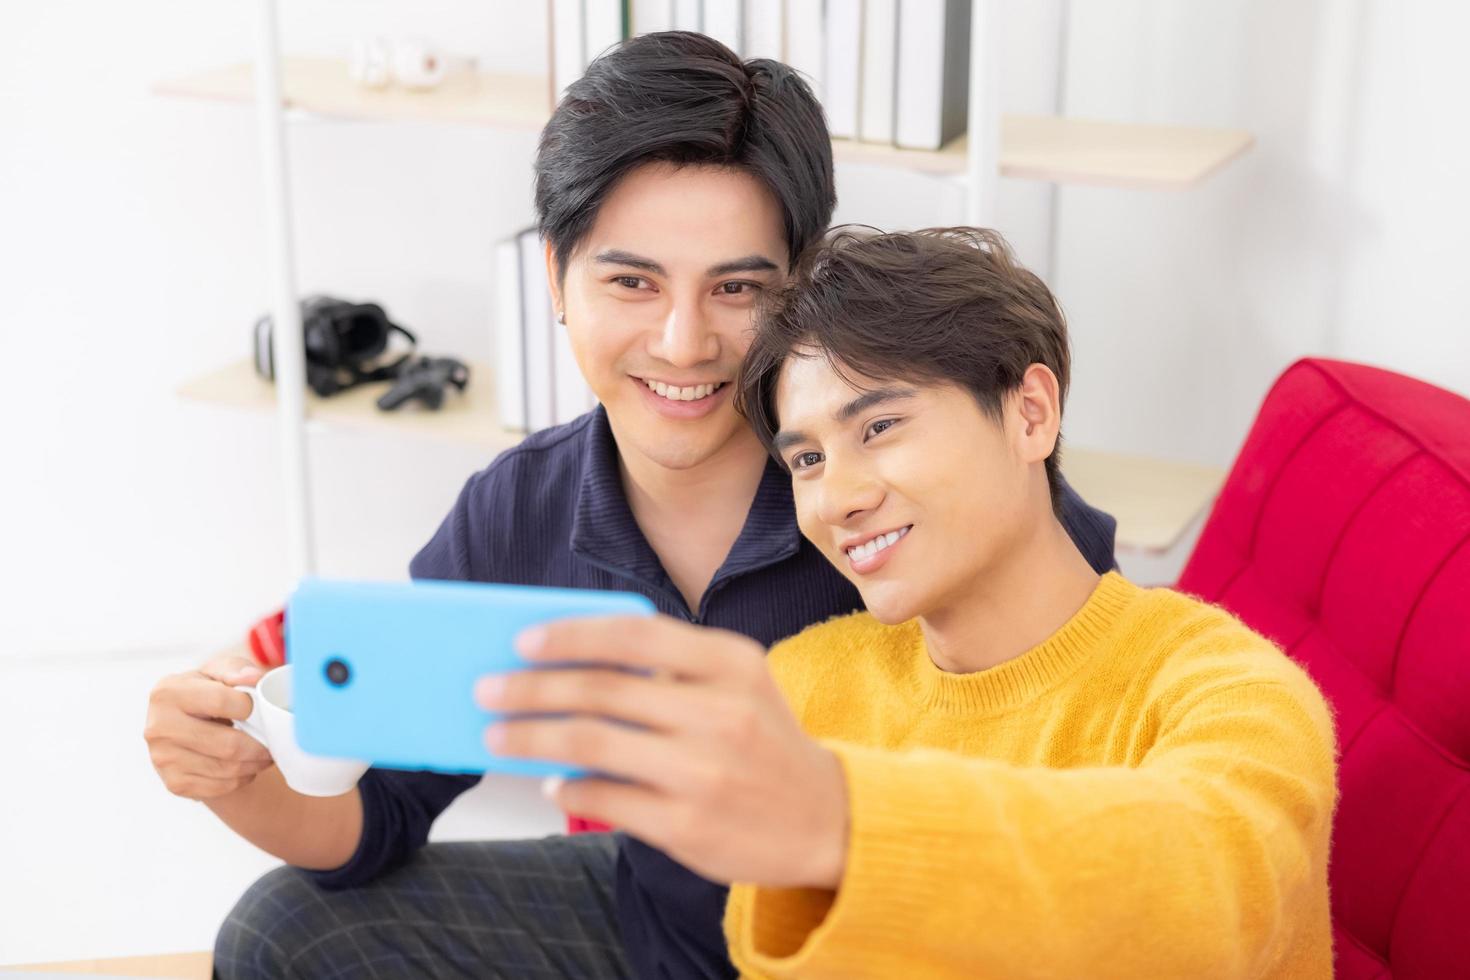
[{"x": 1193, "y": 863}]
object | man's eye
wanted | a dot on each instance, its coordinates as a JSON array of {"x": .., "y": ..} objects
[
  {"x": 632, "y": 282},
  {"x": 803, "y": 460},
  {"x": 880, "y": 426},
  {"x": 738, "y": 288}
]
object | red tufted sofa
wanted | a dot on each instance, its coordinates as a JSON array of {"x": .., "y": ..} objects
[{"x": 1343, "y": 533}]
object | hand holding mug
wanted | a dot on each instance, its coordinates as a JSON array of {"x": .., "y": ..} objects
[
  {"x": 191, "y": 743},
  {"x": 271, "y": 723}
]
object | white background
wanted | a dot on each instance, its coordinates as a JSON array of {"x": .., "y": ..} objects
[{"x": 139, "y": 533}]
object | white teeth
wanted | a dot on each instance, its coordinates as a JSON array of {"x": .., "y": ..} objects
[
  {"x": 870, "y": 548},
  {"x": 685, "y": 394}
]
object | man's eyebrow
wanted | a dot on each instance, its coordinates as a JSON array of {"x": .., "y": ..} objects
[
  {"x": 748, "y": 263},
  {"x": 787, "y": 438},
  {"x": 870, "y": 398},
  {"x": 616, "y": 256}
]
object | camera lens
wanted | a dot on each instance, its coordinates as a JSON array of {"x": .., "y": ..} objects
[{"x": 337, "y": 672}]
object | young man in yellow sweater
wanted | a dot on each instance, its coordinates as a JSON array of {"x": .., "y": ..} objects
[{"x": 1009, "y": 766}]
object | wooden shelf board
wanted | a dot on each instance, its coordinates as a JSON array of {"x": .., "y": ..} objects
[
  {"x": 1111, "y": 154},
  {"x": 947, "y": 162},
  {"x": 184, "y": 966},
  {"x": 467, "y": 418},
  {"x": 1078, "y": 151},
  {"x": 1073, "y": 151},
  {"x": 1154, "y": 501},
  {"x": 323, "y": 86}
]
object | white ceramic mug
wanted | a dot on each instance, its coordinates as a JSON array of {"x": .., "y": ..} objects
[
  {"x": 272, "y": 725},
  {"x": 417, "y": 64}
]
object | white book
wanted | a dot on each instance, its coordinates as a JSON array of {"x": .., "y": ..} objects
[
  {"x": 764, "y": 29},
  {"x": 602, "y": 26},
  {"x": 933, "y": 72},
  {"x": 841, "y": 89},
  {"x": 688, "y": 16},
  {"x": 537, "y": 321},
  {"x": 510, "y": 350},
  {"x": 724, "y": 20},
  {"x": 805, "y": 44},
  {"x": 880, "y": 70},
  {"x": 568, "y": 45},
  {"x": 649, "y": 16}
]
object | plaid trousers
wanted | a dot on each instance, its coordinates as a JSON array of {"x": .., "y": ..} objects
[{"x": 527, "y": 910}]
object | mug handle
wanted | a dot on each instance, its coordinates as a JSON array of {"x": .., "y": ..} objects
[{"x": 252, "y": 725}]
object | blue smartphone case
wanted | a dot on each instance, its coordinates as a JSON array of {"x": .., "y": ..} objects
[{"x": 412, "y": 652}]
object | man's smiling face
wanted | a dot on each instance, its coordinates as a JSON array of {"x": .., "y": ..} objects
[
  {"x": 658, "y": 303},
  {"x": 909, "y": 489}
]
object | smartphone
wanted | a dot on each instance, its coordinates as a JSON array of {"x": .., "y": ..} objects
[{"x": 384, "y": 672}]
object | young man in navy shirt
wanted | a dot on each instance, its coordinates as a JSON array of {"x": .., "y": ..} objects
[{"x": 674, "y": 184}]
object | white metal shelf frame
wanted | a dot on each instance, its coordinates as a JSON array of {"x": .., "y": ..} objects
[{"x": 288, "y": 344}]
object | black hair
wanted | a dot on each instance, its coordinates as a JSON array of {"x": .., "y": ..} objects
[{"x": 685, "y": 99}]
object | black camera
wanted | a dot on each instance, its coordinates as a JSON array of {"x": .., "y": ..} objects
[
  {"x": 425, "y": 379},
  {"x": 344, "y": 344}
]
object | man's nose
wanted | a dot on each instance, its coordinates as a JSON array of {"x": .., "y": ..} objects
[
  {"x": 848, "y": 491},
  {"x": 686, "y": 338}
]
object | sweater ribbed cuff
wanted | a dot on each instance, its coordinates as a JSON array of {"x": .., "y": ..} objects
[{"x": 898, "y": 872}]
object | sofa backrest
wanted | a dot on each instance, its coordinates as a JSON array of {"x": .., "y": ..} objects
[{"x": 1343, "y": 534}]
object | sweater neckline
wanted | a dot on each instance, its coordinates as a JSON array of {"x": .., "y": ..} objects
[{"x": 1022, "y": 679}]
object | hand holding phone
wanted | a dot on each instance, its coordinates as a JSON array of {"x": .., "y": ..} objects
[{"x": 385, "y": 671}]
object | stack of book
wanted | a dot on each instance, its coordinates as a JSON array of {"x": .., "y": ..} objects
[
  {"x": 887, "y": 71},
  {"x": 537, "y": 382}
]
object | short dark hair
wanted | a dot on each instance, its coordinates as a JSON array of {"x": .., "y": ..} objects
[
  {"x": 685, "y": 99},
  {"x": 946, "y": 305}
]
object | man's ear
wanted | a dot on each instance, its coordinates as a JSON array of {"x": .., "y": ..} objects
[
  {"x": 1038, "y": 403},
  {"x": 553, "y": 280}
]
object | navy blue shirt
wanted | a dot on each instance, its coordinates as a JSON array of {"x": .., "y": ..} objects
[{"x": 552, "y": 511}]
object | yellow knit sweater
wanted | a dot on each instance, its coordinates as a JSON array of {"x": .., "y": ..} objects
[{"x": 1149, "y": 793}]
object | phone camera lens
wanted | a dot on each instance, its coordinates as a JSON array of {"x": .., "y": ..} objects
[{"x": 337, "y": 672}]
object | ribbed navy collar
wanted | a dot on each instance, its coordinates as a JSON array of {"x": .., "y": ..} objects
[{"x": 605, "y": 532}]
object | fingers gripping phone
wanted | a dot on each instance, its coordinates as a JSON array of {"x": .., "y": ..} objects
[{"x": 385, "y": 671}]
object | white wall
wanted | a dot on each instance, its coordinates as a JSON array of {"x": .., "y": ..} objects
[
  {"x": 1342, "y": 233},
  {"x": 131, "y": 258}
]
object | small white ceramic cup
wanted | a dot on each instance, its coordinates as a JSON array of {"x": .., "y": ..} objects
[
  {"x": 271, "y": 724},
  {"x": 418, "y": 64}
]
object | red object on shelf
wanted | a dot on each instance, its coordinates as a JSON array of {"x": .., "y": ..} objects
[
  {"x": 268, "y": 640},
  {"x": 1343, "y": 534}
]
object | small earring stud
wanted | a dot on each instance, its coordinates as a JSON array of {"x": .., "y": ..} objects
[{"x": 561, "y": 317}]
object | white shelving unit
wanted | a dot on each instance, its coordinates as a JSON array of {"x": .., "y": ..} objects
[
  {"x": 1045, "y": 148},
  {"x": 1154, "y": 501}
]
